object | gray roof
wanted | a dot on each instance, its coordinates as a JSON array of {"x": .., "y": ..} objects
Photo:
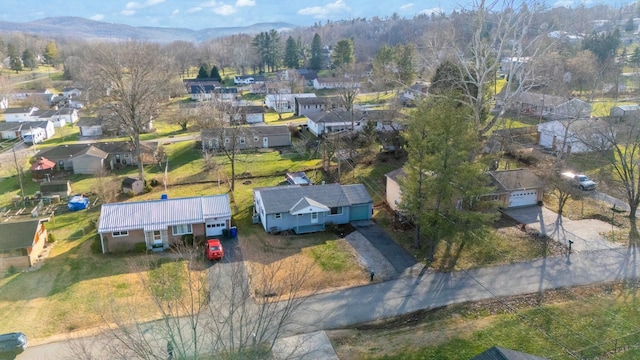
[
  {"x": 71, "y": 150},
  {"x": 279, "y": 199},
  {"x": 22, "y": 125},
  {"x": 515, "y": 179},
  {"x": 18, "y": 235},
  {"x": 395, "y": 175},
  {"x": 261, "y": 130},
  {"x": 160, "y": 214},
  {"x": 319, "y": 100},
  {"x": 498, "y": 353},
  {"x": 90, "y": 121}
]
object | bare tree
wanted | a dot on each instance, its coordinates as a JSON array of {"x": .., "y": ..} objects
[
  {"x": 222, "y": 132},
  {"x": 184, "y": 54},
  {"x": 106, "y": 186},
  {"x": 231, "y": 310},
  {"x": 128, "y": 81},
  {"x": 479, "y": 50}
]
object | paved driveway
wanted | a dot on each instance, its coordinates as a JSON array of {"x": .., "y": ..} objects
[
  {"x": 399, "y": 258},
  {"x": 585, "y": 234}
]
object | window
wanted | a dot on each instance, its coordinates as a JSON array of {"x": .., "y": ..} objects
[
  {"x": 61, "y": 164},
  {"x": 278, "y": 215},
  {"x": 120, "y": 233},
  {"x": 256, "y": 139},
  {"x": 182, "y": 229},
  {"x": 242, "y": 140},
  {"x": 336, "y": 210},
  {"x": 226, "y": 140}
]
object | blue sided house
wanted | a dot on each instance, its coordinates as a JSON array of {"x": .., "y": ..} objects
[{"x": 306, "y": 209}]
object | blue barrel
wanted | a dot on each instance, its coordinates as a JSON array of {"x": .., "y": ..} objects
[{"x": 234, "y": 232}]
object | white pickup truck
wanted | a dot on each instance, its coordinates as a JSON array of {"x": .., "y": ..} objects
[{"x": 580, "y": 180}]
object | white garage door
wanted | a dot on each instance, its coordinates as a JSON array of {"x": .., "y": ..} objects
[
  {"x": 523, "y": 198},
  {"x": 215, "y": 228}
]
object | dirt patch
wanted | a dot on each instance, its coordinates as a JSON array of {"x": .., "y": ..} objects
[{"x": 282, "y": 266}]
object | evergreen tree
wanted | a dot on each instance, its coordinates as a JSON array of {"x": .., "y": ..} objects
[
  {"x": 317, "y": 61},
  {"x": 51, "y": 54},
  {"x": 28, "y": 59},
  {"x": 215, "y": 74},
  {"x": 635, "y": 57},
  {"x": 406, "y": 63},
  {"x": 342, "y": 54},
  {"x": 291, "y": 54},
  {"x": 15, "y": 63},
  {"x": 267, "y": 44},
  {"x": 443, "y": 185},
  {"x": 629, "y": 26},
  {"x": 203, "y": 73}
]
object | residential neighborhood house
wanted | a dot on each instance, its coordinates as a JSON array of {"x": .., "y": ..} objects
[
  {"x": 516, "y": 188},
  {"x": 161, "y": 223},
  {"x": 312, "y": 105},
  {"x": 547, "y": 106},
  {"x": 574, "y": 136},
  {"x": 305, "y": 209},
  {"x": 22, "y": 242},
  {"x": 284, "y": 102},
  {"x": 246, "y": 137},
  {"x": 335, "y": 83}
]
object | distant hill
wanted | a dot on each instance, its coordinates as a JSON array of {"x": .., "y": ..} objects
[{"x": 77, "y": 27}]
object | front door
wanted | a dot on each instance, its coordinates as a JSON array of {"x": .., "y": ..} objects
[
  {"x": 265, "y": 142},
  {"x": 314, "y": 217}
]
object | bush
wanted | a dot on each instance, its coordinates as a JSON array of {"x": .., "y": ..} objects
[
  {"x": 187, "y": 239},
  {"x": 154, "y": 182},
  {"x": 51, "y": 238},
  {"x": 11, "y": 270},
  {"x": 96, "y": 246},
  {"x": 140, "y": 247}
]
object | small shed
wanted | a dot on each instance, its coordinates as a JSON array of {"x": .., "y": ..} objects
[
  {"x": 132, "y": 185},
  {"x": 61, "y": 188}
]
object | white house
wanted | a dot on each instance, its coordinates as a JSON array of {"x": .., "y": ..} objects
[
  {"x": 71, "y": 91},
  {"x": 571, "y": 136},
  {"x": 20, "y": 114},
  {"x": 339, "y": 119},
  {"x": 60, "y": 117},
  {"x": 547, "y": 106},
  {"x": 335, "y": 83},
  {"x": 283, "y": 102}
]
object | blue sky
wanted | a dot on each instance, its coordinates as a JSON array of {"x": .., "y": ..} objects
[{"x": 199, "y": 14}]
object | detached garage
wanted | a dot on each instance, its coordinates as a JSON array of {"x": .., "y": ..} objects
[{"x": 517, "y": 188}]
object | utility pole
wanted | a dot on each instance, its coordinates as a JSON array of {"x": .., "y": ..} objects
[{"x": 15, "y": 160}]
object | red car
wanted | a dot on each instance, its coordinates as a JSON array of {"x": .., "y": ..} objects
[{"x": 214, "y": 249}]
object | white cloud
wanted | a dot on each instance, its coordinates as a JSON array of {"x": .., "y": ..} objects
[
  {"x": 175, "y": 12},
  {"x": 224, "y": 10},
  {"x": 128, "y": 12},
  {"x": 134, "y": 5},
  {"x": 194, "y": 10},
  {"x": 406, "y": 6},
  {"x": 241, "y": 3},
  {"x": 324, "y": 11},
  {"x": 97, "y": 17},
  {"x": 565, "y": 3},
  {"x": 435, "y": 10},
  {"x": 211, "y": 3}
]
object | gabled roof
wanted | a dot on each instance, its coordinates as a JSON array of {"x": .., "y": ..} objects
[
  {"x": 396, "y": 175},
  {"x": 90, "y": 121},
  {"x": 319, "y": 100},
  {"x": 19, "y": 110},
  {"x": 18, "y": 235},
  {"x": 538, "y": 99},
  {"x": 305, "y": 203},
  {"x": 515, "y": 179},
  {"x": 71, "y": 150},
  {"x": 338, "y": 115},
  {"x": 128, "y": 181},
  {"x": 43, "y": 164},
  {"x": 54, "y": 186},
  {"x": 92, "y": 151},
  {"x": 251, "y": 109},
  {"x": 280, "y": 199},
  {"x": 498, "y": 353},
  {"x": 160, "y": 214},
  {"x": 262, "y": 130}
]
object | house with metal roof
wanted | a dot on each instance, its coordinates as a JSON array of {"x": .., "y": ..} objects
[
  {"x": 306, "y": 209},
  {"x": 161, "y": 223},
  {"x": 21, "y": 243}
]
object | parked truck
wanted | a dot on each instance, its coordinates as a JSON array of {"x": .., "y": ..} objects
[{"x": 580, "y": 180}]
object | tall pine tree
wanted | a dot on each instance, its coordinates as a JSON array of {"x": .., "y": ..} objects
[
  {"x": 317, "y": 60},
  {"x": 291, "y": 54}
]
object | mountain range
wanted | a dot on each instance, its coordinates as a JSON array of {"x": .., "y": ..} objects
[{"x": 77, "y": 27}]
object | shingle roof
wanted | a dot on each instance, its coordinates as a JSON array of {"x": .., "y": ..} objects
[
  {"x": 498, "y": 353},
  {"x": 90, "y": 121},
  {"x": 395, "y": 175},
  {"x": 515, "y": 179},
  {"x": 71, "y": 150},
  {"x": 18, "y": 235},
  {"x": 43, "y": 164},
  {"x": 279, "y": 199},
  {"x": 261, "y": 130},
  {"x": 319, "y": 100},
  {"x": 160, "y": 214}
]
